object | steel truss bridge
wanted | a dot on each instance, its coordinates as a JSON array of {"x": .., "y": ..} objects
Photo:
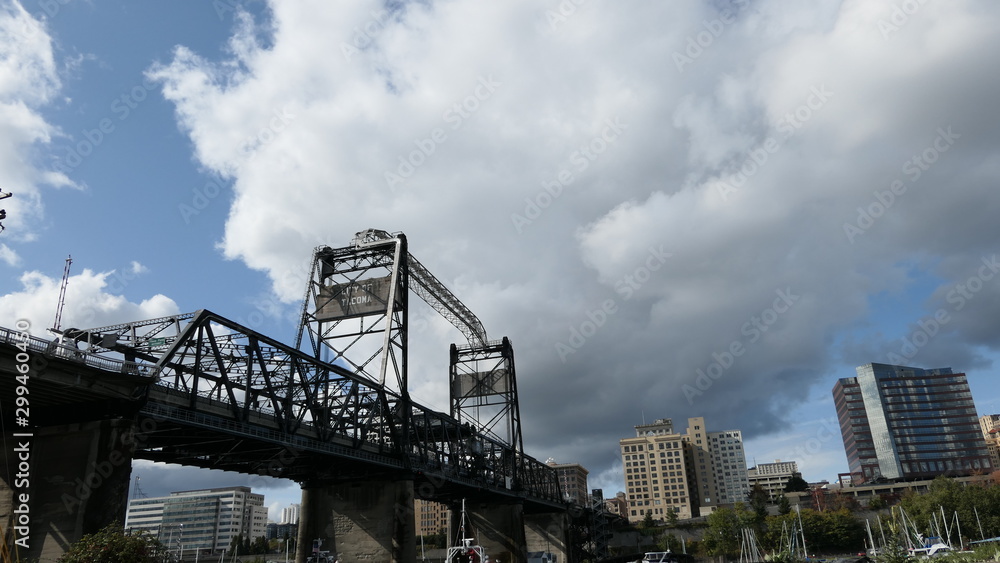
[{"x": 333, "y": 408}]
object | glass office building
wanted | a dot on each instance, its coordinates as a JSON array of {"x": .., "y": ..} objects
[{"x": 905, "y": 423}]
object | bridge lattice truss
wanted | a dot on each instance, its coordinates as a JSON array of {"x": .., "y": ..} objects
[
  {"x": 214, "y": 373},
  {"x": 217, "y": 374}
]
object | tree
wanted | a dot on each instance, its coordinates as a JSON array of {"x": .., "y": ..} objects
[
  {"x": 840, "y": 500},
  {"x": 894, "y": 550},
  {"x": 877, "y": 502},
  {"x": 671, "y": 518},
  {"x": 725, "y": 529},
  {"x": 647, "y": 521},
  {"x": 670, "y": 542},
  {"x": 784, "y": 505},
  {"x": 259, "y": 545},
  {"x": 796, "y": 484},
  {"x": 758, "y": 498},
  {"x": 111, "y": 544}
]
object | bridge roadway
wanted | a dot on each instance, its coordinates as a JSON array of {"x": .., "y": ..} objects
[{"x": 221, "y": 396}]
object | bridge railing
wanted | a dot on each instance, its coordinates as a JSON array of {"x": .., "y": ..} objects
[
  {"x": 438, "y": 442},
  {"x": 54, "y": 349}
]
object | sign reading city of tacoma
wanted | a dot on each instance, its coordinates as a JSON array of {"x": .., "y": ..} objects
[{"x": 354, "y": 299}]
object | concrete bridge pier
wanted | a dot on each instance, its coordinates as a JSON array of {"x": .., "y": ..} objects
[
  {"x": 549, "y": 532},
  {"x": 499, "y": 528},
  {"x": 370, "y": 521},
  {"x": 75, "y": 478}
]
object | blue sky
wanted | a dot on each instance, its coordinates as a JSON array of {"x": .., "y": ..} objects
[{"x": 541, "y": 158}]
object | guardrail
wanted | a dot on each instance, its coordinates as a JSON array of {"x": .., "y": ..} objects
[{"x": 53, "y": 349}]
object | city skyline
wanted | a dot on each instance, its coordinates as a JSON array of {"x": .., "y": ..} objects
[{"x": 713, "y": 209}]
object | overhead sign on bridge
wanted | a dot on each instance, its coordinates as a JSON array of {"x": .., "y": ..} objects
[
  {"x": 481, "y": 383},
  {"x": 354, "y": 299}
]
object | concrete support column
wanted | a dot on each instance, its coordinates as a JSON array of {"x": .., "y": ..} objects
[
  {"x": 76, "y": 483},
  {"x": 369, "y": 521},
  {"x": 498, "y": 528},
  {"x": 548, "y": 532}
]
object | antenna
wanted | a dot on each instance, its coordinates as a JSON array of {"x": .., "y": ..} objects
[{"x": 62, "y": 294}]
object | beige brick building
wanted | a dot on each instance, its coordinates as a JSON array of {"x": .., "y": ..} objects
[
  {"x": 655, "y": 464},
  {"x": 572, "y": 481},
  {"x": 430, "y": 517},
  {"x": 688, "y": 474},
  {"x": 990, "y": 424}
]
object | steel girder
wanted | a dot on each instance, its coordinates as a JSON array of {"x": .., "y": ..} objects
[
  {"x": 243, "y": 372},
  {"x": 483, "y": 388},
  {"x": 369, "y": 336},
  {"x": 220, "y": 373}
]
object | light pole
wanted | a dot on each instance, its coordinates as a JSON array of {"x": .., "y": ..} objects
[{"x": 180, "y": 540}]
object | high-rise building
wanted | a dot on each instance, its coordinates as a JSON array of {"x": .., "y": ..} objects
[
  {"x": 730, "y": 463},
  {"x": 205, "y": 519},
  {"x": 430, "y": 517},
  {"x": 909, "y": 423},
  {"x": 655, "y": 472},
  {"x": 572, "y": 481},
  {"x": 290, "y": 514},
  {"x": 990, "y": 425},
  {"x": 772, "y": 477},
  {"x": 687, "y": 474},
  {"x": 700, "y": 469}
]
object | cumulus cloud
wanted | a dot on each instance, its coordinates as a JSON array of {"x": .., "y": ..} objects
[
  {"x": 93, "y": 299},
  {"x": 679, "y": 210},
  {"x": 28, "y": 82}
]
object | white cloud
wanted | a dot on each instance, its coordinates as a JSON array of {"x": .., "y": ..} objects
[
  {"x": 8, "y": 255},
  {"x": 806, "y": 114},
  {"x": 28, "y": 81},
  {"x": 92, "y": 300}
]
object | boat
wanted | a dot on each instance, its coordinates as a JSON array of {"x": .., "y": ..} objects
[
  {"x": 464, "y": 551},
  {"x": 930, "y": 550},
  {"x": 658, "y": 557}
]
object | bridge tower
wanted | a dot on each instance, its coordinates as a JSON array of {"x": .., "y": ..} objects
[{"x": 355, "y": 307}]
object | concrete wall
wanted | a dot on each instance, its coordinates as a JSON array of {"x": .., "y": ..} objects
[
  {"x": 77, "y": 483},
  {"x": 369, "y": 521},
  {"x": 548, "y": 532}
]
